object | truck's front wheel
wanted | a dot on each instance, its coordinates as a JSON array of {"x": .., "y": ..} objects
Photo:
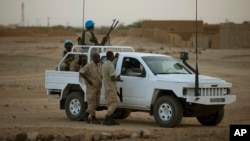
[
  {"x": 212, "y": 119},
  {"x": 75, "y": 106},
  {"x": 168, "y": 111}
]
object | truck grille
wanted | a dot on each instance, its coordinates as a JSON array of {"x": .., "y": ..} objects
[{"x": 212, "y": 91}]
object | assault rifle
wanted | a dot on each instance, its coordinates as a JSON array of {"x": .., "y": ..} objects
[{"x": 112, "y": 27}]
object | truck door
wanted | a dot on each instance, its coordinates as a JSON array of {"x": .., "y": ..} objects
[{"x": 133, "y": 87}]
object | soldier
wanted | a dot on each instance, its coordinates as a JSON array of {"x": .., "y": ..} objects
[
  {"x": 88, "y": 36},
  {"x": 109, "y": 80},
  {"x": 92, "y": 75},
  {"x": 69, "y": 63}
]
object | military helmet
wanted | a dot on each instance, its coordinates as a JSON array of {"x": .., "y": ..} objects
[
  {"x": 89, "y": 23},
  {"x": 68, "y": 42}
]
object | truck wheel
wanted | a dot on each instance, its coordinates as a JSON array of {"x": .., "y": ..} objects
[
  {"x": 75, "y": 106},
  {"x": 121, "y": 113},
  {"x": 212, "y": 119},
  {"x": 168, "y": 111}
]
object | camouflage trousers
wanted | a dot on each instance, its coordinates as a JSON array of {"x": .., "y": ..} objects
[
  {"x": 111, "y": 98},
  {"x": 93, "y": 98}
]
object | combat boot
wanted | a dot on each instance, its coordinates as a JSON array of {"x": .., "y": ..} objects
[
  {"x": 114, "y": 122},
  {"x": 94, "y": 120},
  {"x": 86, "y": 117},
  {"x": 110, "y": 121}
]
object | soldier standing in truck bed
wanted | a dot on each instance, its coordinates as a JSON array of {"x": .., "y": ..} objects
[{"x": 88, "y": 36}]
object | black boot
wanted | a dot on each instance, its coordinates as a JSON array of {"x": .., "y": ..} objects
[
  {"x": 94, "y": 120},
  {"x": 110, "y": 121},
  {"x": 114, "y": 122},
  {"x": 86, "y": 117}
]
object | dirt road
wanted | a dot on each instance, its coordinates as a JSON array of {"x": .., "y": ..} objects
[{"x": 24, "y": 105}]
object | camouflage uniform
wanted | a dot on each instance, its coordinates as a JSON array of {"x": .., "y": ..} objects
[
  {"x": 69, "y": 64},
  {"x": 93, "y": 71},
  {"x": 88, "y": 38},
  {"x": 109, "y": 86}
]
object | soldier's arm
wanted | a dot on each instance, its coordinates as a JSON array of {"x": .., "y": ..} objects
[
  {"x": 115, "y": 78},
  {"x": 84, "y": 76}
]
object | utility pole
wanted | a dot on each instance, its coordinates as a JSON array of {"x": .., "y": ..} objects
[
  {"x": 48, "y": 21},
  {"x": 37, "y": 22},
  {"x": 83, "y": 12},
  {"x": 196, "y": 52},
  {"x": 23, "y": 19}
]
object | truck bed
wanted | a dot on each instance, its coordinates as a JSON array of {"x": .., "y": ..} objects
[{"x": 56, "y": 81}]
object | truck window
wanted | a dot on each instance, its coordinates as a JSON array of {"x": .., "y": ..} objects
[
  {"x": 164, "y": 65},
  {"x": 132, "y": 67}
]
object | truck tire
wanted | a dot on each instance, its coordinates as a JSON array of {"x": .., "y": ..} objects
[
  {"x": 75, "y": 106},
  {"x": 212, "y": 119},
  {"x": 167, "y": 111},
  {"x": 121, "y": 114}
]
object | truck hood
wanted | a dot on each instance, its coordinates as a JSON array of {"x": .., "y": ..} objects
[{"x": 188, "y": 78}]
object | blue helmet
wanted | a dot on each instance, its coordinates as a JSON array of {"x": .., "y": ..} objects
[
  {"x": 68, "y": 42},
  {"x": 89, "y": 23}
]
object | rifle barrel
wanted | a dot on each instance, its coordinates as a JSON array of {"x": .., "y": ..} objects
[{"x": 112, "y": 27}]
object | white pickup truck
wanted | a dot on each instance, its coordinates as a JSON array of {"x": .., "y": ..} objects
[{"x": 158, "y": 84}]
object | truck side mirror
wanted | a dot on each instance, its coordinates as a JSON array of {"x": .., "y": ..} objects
[{"x": 184, "y": 56}]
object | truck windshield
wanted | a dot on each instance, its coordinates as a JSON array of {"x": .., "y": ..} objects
[{"x": 164, "y": 65}]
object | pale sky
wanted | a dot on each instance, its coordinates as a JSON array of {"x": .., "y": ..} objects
[{"x": 70, "y": 12}]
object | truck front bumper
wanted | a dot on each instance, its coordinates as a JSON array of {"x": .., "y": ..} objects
[{"x": 212, "y": 100}]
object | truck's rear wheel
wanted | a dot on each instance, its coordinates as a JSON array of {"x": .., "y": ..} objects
[
  {"x": 121, "y": 113},
  {"x": 212, "y": 119},
  {"x": 75, "y": 106},
  {"x": 168, "y": 111}
]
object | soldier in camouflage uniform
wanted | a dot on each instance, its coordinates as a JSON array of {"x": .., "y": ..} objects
[
  {"x": 109, "y": 80},
  {"x": 69, "y": 63},
  {"x": 89, "y": 38},
  {"x": 93, "y": 78}
]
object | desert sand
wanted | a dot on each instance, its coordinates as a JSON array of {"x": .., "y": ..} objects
[{"x": 25, "y": 107}]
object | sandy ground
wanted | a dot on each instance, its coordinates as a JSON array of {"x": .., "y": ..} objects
[{"x": 24, "y": 105}]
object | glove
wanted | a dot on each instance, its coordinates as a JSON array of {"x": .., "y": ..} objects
[{"x": 104, "y": 40}]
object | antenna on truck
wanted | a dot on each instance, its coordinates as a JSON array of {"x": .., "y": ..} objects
[{"x": 196, "y": 58}]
